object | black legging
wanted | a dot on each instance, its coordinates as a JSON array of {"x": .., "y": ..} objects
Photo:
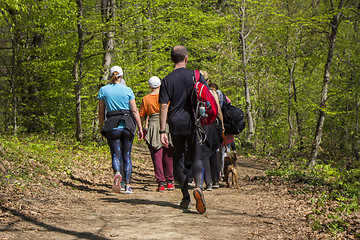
[
  {"x": 211, "y": 169},
  {"x": 120, "y": 143},
  {"x": 187, "y": 146}
]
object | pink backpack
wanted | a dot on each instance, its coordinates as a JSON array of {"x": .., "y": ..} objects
[{"x": 206, "y": 109}]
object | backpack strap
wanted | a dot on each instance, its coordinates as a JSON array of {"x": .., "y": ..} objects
[
  {"x": 200, "y": 132},
  {"x": 197, "y": 75}
]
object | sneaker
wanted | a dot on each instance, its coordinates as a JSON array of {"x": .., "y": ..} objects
[
  {"x": 200, "y": 200},
  {"x": 122, "y": 186},
  {"x": 161, "y": 188},
  {"x": 170, "y": 186},
  {"x": 128, "y": 190},
  {"x": 191, "y": 184},
  {"x": 216, "y": 185},
  {"x": 116, "y": 185},
  {"x": 208, "y": 187},
  {"x": 185, "y": 203}
]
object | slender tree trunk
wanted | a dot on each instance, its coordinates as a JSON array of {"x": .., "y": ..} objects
[
  {"x": 297, "y": 115},
  {"x": 291, "y": 80},
  {"x": 245, "y": 60},
  {"x": 322, "y": 113},
  {"x": 356, "y": 134},
  {"x": 13, "y": 73},
  {"x": 108, "y": 8},
  {"x": 293, "y": 94},
  {"x": 13, "y": 90},
  {"x": 77, "y": 72},
  {"x": 108, "y": 13}
]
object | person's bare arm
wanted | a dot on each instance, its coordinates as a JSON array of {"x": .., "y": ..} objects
[
  {"x": 163, "y": 118},
  {"x": 136, "y": 115}
]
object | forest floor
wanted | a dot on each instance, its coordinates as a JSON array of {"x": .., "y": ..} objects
[{"x": 84, "y": 207}]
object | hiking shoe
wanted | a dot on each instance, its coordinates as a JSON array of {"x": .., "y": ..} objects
[
  {"x": 191, "y": 184},
  {"x": 208, "y": 187},
  {"x": 170, "y": 186},
  {"x": 185, "y": 203},
  {"x": 200, "y": 200},
  {"x": 128, "y": 190},
  {"x": 161, "y": 188},
  {"x": 116, "y": 185},
  {"x": 122, "y": 186},
  {"x": 216, "y": 185}
]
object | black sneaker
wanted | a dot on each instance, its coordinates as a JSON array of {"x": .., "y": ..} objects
[
  {"x": 216, "y": 185},
  {"x": 185, "y": 203},
  {"x": 208, "y": 187}
]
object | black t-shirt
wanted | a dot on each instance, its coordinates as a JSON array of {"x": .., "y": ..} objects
[{"x": 177, "y": 87}]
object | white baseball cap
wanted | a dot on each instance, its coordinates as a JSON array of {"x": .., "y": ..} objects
[
  {"x": 154, "y": 82},
  {"x": 116, "y": 69}
]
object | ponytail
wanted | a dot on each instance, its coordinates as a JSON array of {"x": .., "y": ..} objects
[{"x": 113, "y": 77}]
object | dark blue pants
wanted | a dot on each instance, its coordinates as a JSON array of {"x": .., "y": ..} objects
[{"x": 120, "y": 143}]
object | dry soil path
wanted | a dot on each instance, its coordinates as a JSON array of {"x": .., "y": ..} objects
[{"x": 85, "y": 208}]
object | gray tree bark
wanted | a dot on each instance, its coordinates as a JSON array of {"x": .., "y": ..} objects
[
  {"x": 77, "y": 71},
  {"x": 322, "y": 106},
  {"x": 246, "y": 52}
]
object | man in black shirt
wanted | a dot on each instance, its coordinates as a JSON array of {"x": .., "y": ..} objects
[{"x": 176, "y": 106}]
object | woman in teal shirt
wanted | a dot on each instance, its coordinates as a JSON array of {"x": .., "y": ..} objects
[{"x": 122, "y": 116}]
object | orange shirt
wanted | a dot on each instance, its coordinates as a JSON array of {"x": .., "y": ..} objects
[{"x": 149, "y": 105}]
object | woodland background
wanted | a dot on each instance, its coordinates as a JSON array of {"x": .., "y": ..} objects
[{"x": 291, "y": 65}]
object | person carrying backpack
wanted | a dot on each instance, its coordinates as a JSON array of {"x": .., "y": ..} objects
[
  {"x": 176, "y": 107},
  {"x": 214, "y": 133},
  {"x": 228, "y": 142}
]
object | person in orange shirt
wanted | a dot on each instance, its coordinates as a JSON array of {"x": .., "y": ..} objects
[{"x": 162, "y": 157}]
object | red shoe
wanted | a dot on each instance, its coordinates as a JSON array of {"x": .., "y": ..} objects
[
  {"x": 161, "y": 188},
  {"x": 170, "y": 186}
]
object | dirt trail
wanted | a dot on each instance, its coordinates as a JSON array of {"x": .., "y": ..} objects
[{"x": 85, "y": 208}]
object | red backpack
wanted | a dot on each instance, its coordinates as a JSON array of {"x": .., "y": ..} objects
[{"x": 206, "y": 109}]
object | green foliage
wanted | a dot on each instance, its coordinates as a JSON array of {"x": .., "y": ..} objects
[
  {"x": 40, "y": 42},
  {"x": 335, "y": 196},
  {"x": 36, "y": 158}
]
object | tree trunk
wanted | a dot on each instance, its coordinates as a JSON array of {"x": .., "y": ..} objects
[
  {"x": 13, "y": 73},
  {"x": 322, "y": 112},
  {"x": 245, "y": 60},
  {"x": 108, "y": 13},
  {"x": 291, "y": 80},
  {"x": 298, "y": 121},
  {"x": 77, "y": 72},
  {"x": 356, "y": 134},
  {"x": 108, "y": 8},
  {"x": 13, "y": 89}
]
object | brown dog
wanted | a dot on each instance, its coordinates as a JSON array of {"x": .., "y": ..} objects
[{"x": 230, "y": 168}]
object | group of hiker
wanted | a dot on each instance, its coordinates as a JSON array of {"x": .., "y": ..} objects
[{"x": 167, "y": 122}]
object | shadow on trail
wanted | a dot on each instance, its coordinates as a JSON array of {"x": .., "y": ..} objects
[
  {"x": 138, "y": 201},
  {"x": 81, "y": 235},
  {"x": 143, "y": 179},
  {"x": 85, "y": 188}
]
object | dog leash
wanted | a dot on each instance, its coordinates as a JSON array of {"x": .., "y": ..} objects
[{"x": 223, "y": 135}]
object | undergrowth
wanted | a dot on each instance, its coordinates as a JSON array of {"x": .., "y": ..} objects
[
  {"x": 32, "y": 159},
  {"x": 337, "y": 197}
]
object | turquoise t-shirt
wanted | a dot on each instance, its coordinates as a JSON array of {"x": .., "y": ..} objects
[{"x": 116, "y": 97}]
